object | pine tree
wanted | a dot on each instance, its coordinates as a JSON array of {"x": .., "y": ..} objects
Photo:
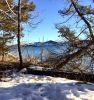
[
  {"x": 12, "y": 15},
  {"x": 84, "y": 22},
  {"x": 4, "y": 39}
]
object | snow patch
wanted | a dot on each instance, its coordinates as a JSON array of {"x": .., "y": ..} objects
[{"x": 33, "y": 87}]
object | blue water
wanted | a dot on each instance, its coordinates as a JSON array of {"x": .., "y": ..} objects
[
  {"x": 29, "y": 51},
  {"x": 36, "y": 50}
]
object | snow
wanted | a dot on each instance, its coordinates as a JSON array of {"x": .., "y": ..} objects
[
  {"x": 39, "y": 68},
  {"x": 36, "y": 67},
  {"x": 33, "y": 87}
]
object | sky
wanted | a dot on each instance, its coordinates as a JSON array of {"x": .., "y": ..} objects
[{"x": 48, "y": 16}]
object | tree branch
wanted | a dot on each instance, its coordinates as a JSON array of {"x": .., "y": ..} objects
[{"x": 83, "y": 18}]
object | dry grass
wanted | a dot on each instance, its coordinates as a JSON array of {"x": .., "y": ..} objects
[
  {"x": 9, "y": 58},
  {"x": 32, "y": 60}
]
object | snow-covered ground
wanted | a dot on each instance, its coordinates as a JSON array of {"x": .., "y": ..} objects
[{"x": 32, "y": 87}]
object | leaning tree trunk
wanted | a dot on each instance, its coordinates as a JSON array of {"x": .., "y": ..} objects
[{"x": 19, "y": 34}]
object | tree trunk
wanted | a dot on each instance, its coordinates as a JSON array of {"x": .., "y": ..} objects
[
  {"x": 19, "y": 34},
  {"x": 3, "y": 55}
]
